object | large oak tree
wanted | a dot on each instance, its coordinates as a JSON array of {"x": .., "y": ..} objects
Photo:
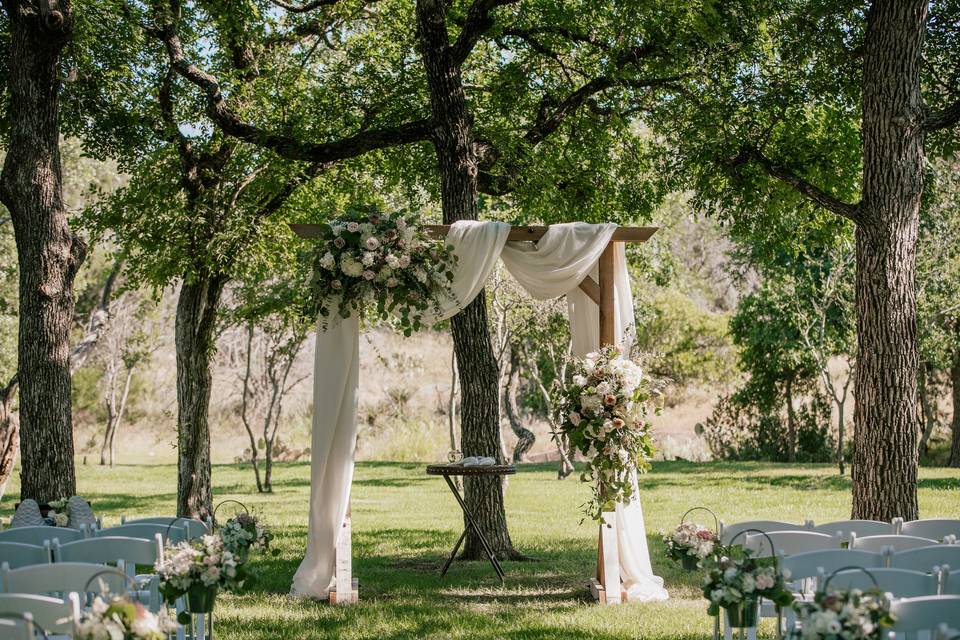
[{"x": 833, "y": 109}]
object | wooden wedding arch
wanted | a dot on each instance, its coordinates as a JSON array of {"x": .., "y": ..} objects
[{"x": 606, "y": 586}]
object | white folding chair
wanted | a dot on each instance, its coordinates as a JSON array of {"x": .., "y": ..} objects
[
  {"x": 17, "y": 554},
  {"x": 934, "y": 528},
  {"x": 950, "y": 581},
  {"x": 893, "y": 542},
  {"x": 38, "y": 535},
  {"x": 811, "y": 565},
  {"x": 925, "y": 614},
  {"x": 902, "y": 583},
  {"x": 843, "y": 528},
  {"x": 53, "y": 615},
  {"x": 728, "y": 531},
  {"x": 194, "y": 528},
  {"x": 63, "y": 577},
  {"x": 144, "y": 531},
  {"x": 126, "y": 553},
  {"x": 923, "y": 558},
  {"x": 788, "y": 543},
  {"x": 15, "y": 626}
]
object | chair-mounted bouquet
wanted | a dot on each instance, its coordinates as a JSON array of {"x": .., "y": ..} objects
[
  {"x": 198, "y": 569},
  {"x": 690, "y": 543},
  {"x": 736, "y": 582},
  {"x": 838, "y": 614},
  {"x": 117, "y": 618}
]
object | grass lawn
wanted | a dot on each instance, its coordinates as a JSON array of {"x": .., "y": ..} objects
[{"x": 405, "y": 523}]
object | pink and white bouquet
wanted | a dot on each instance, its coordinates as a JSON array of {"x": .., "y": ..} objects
[
  {"x": 384, "y": 262},
  {"x": 203, "y": 564},
  {"x": 843, "y": 615},
  {"x": 59, "y": 513},
  {"x": 604, "y": 414},
  {"x": 690, "y": 542},
  {"x": 117, "y": 618}
]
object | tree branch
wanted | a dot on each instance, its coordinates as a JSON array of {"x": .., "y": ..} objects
[
  {"x": 944, "y": 118},
  {"x": 286, "y": 146},
  {"x": 478, "y": 22},
  {"x": 785, "y": 175},
  {"x": 304, "y": 8}
]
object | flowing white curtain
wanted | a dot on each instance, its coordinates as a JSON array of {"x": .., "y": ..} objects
[{"x": 553, "y": 267}]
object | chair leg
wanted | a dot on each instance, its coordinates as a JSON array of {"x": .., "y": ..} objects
[{"x": 727, "y": 629}]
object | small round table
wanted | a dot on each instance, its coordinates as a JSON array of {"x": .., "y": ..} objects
[{"x": 448, "y": 470}]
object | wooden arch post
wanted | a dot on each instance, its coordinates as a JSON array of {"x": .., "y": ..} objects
[{"x": 605, "y": 587}]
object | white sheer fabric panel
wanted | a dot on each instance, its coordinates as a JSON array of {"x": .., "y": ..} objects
[{"x": 553, "y": 267}]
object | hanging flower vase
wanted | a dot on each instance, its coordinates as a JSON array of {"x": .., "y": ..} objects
[
  {"x": 743, "y": 615},
  {"x": 200, "y": 599}
]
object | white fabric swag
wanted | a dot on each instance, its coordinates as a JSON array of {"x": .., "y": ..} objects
[{"x": 552, "y": 267}]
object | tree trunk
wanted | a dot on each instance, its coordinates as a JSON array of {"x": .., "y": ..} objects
[
  {"x": 48, "y": 252},
  {"x": 453, "y": 142},
  {"x": 928, "y": 411},
  {"x": 525, "y": 437},
  {"x": 885, "y": 461},
  {"x": 244, "y": 408},
  {"x": 119, "y": 419},
  {"x": 195, "y": 343},
  {"x": 791, "y": 423},
  {"x": 268, "y": 466},
  {"x": 841, "y": 429},
  {"x": 9, "y": 434},
  {"x": 955, "y": 396}
]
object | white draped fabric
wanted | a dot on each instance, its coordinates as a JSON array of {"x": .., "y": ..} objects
[{"x": 553, "y": 267}]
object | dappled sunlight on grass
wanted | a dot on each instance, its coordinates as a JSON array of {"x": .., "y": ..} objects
[{"x": 405, "y": 524}]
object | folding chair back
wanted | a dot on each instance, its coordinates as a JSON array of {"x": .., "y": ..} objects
[
  {"x": 812, "y": 563},
  {"x": 895, "y": 543},
  {"x": 17, "y": 554},
  {"x": 54, "y": 615},
  {"x": 843, "y": 528},
  {"x": 194, "y": 528},
  {"x": 728, "y": 531},
  {"x": 38, "y": 535},
  {"x": 925, "y": 558},
  {"x": 145, "y": 531},
  {"x": 15, "y": 626},
  {"x": 934, "y": 528},
  {"x": 789, "y": 543},
  {"x": 902, "y": 583},
  {"x": 108, "y": 550},
  {"x": 62, "y": 578},
  {"x": 925, "y": 614}
]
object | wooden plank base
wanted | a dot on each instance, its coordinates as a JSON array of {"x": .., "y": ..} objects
[
  {"x": 354, "y": 594},
  {"x": 599, "y": 592}
]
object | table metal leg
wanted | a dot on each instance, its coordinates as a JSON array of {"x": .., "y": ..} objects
[
  {"x": 453, "y": 554},
  {"x": 476, "y": 528}
]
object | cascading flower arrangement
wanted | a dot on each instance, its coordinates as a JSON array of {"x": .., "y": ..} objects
[
  {"x": 198, "y": 569},
  {"x": 117, "y": 618},
  {"x": 843, "y": 615},
  {"x": 369, "y": 259},
  {"x": 604, "y": 414}
]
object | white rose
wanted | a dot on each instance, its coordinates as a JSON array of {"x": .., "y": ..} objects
[
  {"x": 371, "y": 243},
  {"x": 393, "y": 261},
  {"x": 404, "y": 261},
  {"x": 353, "y": 227},
  {"x": 574, "y": 418},
  {"x": 580, "y": 381},
  {"x": 328, "y": 262}
]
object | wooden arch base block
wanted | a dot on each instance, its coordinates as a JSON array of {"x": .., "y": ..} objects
[
  {"x": 347, "y": 591},
  {"x": 607, "y": 588}
]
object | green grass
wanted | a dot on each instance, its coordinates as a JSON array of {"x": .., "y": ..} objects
[{"x": 405, "y": 523}]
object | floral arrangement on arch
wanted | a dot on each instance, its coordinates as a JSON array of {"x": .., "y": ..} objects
[
  {"x": 732, "y": 582},
  {"x": 690, "y": 543},
  {"x": 117, "y": 618},
  {"x": 368, "y": 259},
  {"x": 843, "y": 615},
  {"x": 204, "y": 564},
  {"x": 243, "y": 533},
  {"x": 604, "y": 414}
]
